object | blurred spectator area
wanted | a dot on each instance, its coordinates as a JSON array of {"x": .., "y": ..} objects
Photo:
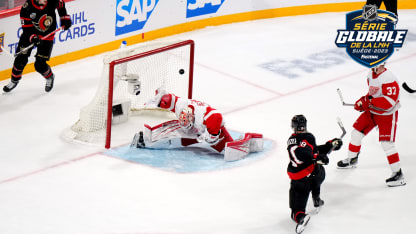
[{"x": 9, "y": 4}]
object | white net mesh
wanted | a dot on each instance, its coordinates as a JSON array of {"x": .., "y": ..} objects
[{"x": 167, "y": 68}]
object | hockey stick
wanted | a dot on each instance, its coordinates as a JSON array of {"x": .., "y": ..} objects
[
  {"x": 407, "y": 88},
  {"x": 342, "y": 127},
  {"x": 342, "y": 99},
  {"x": 23, "y": 50}
]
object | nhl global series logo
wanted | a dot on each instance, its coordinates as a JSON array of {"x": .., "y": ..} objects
[{"x": 370, "y": 35}]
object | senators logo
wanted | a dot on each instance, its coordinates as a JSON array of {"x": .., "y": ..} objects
[{"x": 44, "y": 23}]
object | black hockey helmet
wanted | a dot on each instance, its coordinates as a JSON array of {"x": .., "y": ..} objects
[{"x": 299, "y": 123}]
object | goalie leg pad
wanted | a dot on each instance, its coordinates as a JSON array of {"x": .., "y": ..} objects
[
  {"x": 256, "y": 142},
  {"x": 165, "y": 135},
  {"x": 236, "y": 150}
]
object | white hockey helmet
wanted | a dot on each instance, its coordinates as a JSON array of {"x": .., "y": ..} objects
[
  {"x": 375, "y": 68},
  {"x": 187, "y": 118}
]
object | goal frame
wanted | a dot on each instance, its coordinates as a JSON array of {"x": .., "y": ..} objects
[{"x": 113, "y": 63}]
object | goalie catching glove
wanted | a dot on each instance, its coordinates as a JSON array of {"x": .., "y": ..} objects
[{"x": 157, "y": 99}]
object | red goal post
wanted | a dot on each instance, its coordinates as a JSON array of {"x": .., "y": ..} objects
[{"x": 138, "y": 56}]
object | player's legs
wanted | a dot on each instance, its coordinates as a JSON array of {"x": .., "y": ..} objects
[
  {"x": 317, "y": 178},
  {"x": 298, "y": 198},
  {"x": 42, "y": 56},
  {"x": 374, "y": 2},
  {"x": 362, "y": 126},
  {"x": 387, "y": 136},
  {"x": 391, "y": 5},
  {"x": 19, "y": 64},
  {"x": 387, "y": 125}
]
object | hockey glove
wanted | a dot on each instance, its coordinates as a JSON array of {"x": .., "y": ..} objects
[
  {"x": 322, "y": 159},
  {"x": 363, "y": 103},
  {"x": 212, "y": 139},
  {"x": 34, "y": 39},
  {"x": 336, "y": 143},
  {"x": 66, "y": 22}
]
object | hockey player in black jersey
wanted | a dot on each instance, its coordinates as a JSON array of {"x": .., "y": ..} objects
[
  {"x": 305, "y": 169},
  {"x": 38, "y": 19}
]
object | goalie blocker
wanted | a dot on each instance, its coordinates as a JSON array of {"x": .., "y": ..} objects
[{"x": 170, "y": 135}]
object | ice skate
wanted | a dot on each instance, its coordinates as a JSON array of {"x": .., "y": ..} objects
[
  {"x": 396, "y": 179},
  {"x": 10, "y": 86},
  {"x": 302, "y": 224},
  {"x": 49, "y": 83},
  {"x": 318, "y": 202},
  {"x": 138, "y": 141},
  {"x": 348, "y": 163}
]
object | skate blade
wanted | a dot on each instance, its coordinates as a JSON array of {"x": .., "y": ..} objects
[
  {"x": 301, "y": 227},
  {"x": 396, "y": 183},
  {"x": 347, "y": 167}
]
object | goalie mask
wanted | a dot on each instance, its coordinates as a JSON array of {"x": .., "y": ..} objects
[
  {"x": 299, "y": 123},
  {"x": 187, "y": 118}
]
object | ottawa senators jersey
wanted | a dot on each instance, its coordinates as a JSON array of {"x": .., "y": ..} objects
[
  {"x": 40, "y": 19},
  {"x": 385, "y": 90},
  {"x": 302, "y": 152}
]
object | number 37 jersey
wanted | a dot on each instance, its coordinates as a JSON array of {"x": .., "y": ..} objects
[{"x": 385, "y": 90}]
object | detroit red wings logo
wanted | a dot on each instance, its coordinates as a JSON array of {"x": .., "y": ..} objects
[
  {"x": 44, "y": 23},
  {"x": 373, "y": 90}
]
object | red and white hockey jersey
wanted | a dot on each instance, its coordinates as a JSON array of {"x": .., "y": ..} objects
[
  {"x": 206, "y": 117},
  {"x": 385, "y": 90}
]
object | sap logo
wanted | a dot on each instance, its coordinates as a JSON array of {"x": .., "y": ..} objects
[
  {"x": 202, "y": 7},
  {"x": 132, "y": 15}
]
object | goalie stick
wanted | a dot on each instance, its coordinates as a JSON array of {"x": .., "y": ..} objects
[
  {"x": 23, "y": 50},
  {"x": 407, "y": 88}
]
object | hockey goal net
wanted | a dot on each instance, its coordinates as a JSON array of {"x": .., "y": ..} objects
[{"x": 126, "y": 71}]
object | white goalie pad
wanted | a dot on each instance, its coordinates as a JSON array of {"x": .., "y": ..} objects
[
  {"x": 236, "y": 150},
  {"x": 164, "y": 135}
]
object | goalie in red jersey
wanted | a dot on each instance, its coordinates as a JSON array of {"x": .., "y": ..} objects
[
  {"x": 197, "y": 124},
  {"x": 379, "y": 108}
]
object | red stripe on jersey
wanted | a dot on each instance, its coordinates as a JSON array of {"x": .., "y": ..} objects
[
  {"x": 39, "y": 7},
  {"x": 354, "y": 148},
  {"x": 393, "y": 158},
  {"x": 301, "y": 174},
  {"x": 27, "y": 26},
  {"x": 307, "y": 143}
]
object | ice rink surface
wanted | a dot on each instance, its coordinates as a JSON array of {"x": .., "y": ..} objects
[{"x": 259, "y": 74}]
